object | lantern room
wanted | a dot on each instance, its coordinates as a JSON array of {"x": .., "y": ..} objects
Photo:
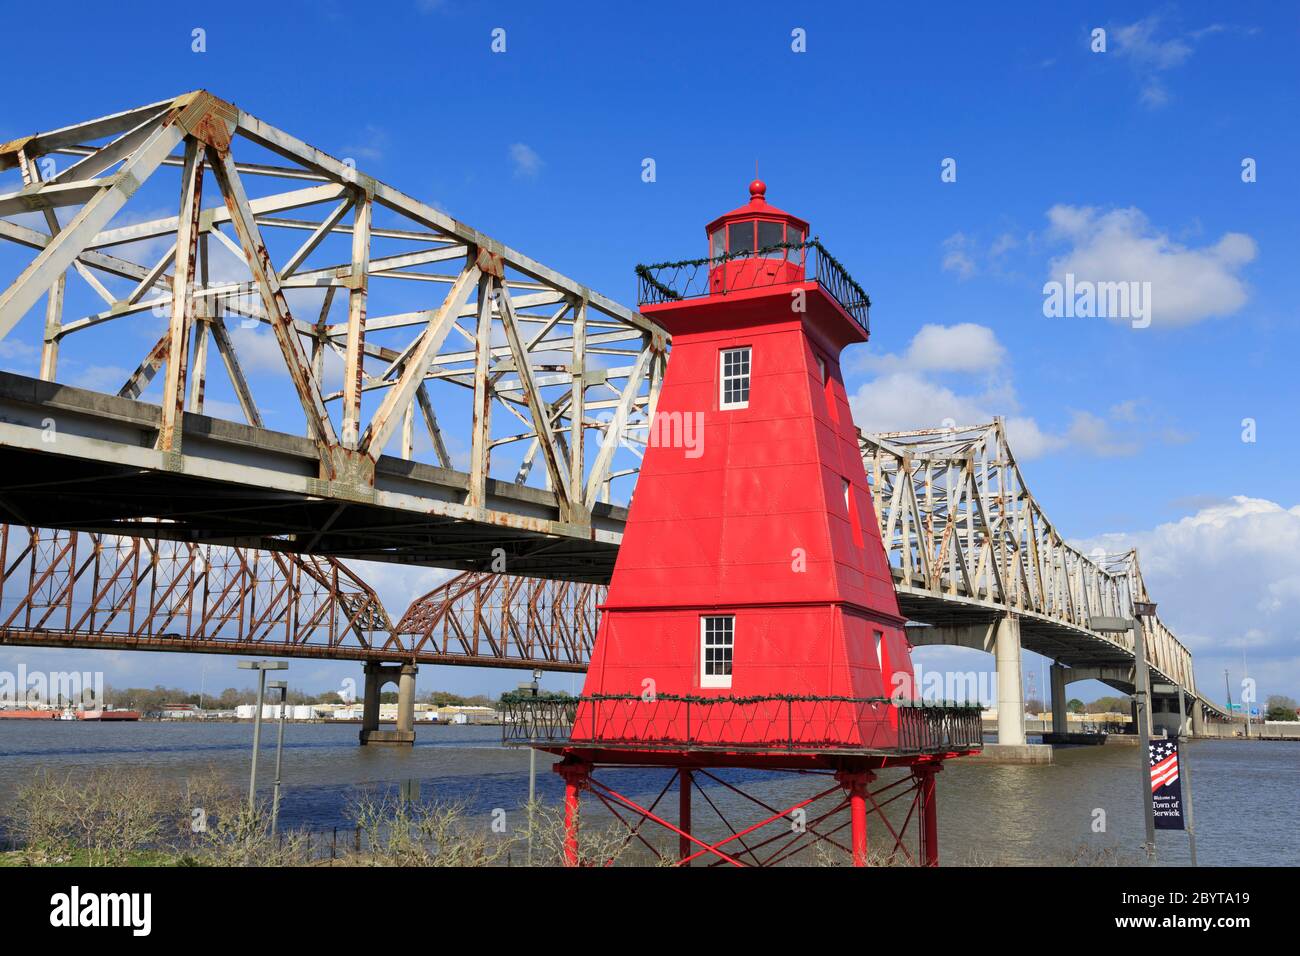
[{"x": 755, "y": 245}]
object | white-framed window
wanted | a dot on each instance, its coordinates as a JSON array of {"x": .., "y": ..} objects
[
  {"x": 717, "y": 645},
  {"x": 733, "y": 382},
  {"x": 880, "y": 650}
]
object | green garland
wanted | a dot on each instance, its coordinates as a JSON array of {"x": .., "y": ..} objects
[
  {"x": 516, "y": 697},
  {"x": 645, "y": 271}
]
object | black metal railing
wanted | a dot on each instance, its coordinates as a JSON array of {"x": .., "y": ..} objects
[
  {"x": 786, "y": 723},
  {"x": 525, "y": 717},
  {"x": 928, "y": 728},
  {"x": 692, "y": 278}
]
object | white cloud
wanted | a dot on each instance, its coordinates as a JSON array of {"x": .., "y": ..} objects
[
  {"x": 16, "y": 351},
  {"x": 908, "y": 390},
  {"x": 957, "y": 256},
  {"x": 900, "y": 400},
  {"x": 1187, "y": 285},
  {"x": 1139, "y": 43},
  {"x": 1093, "y": 433},
  {"x": 965, "y": 347},
  {"x": 957, "y": 374},
  {"x": 399, "y": 584},
  {"x": 371, "y": 144},
  {"x": 1227, "y": 579},
  {"x": 100, "y": 378},
  {"x": 967, "y": 255},
  {"x": 527, "y": 163},
  {"x": 1029, "y": 441},
  {"x": 1149, "y": 54}
]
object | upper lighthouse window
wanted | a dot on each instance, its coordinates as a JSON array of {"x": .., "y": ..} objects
[
  {"x": 794, "y": 236},
  {"x": 733, "y": 389},
  {"x": 740, "y": 238},
  {"x": 769, "y": 235},
  {"x": 718, "y": 243}
]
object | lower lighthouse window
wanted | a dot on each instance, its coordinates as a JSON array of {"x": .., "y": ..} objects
[{"x": 717, "y": 643}]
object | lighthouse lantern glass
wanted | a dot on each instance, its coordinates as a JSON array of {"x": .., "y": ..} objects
[
  {"x": 740, "y": 238},
  {"x": 794, "y": 236},
  {"x": 769, "y": 235}
]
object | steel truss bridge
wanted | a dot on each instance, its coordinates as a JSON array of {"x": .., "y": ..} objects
[
  {"x": 381, "y": 314},
  {"x": 167, "y": 526}
]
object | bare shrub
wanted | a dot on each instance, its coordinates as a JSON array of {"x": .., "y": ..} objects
[{"x": 100, "y": 819}]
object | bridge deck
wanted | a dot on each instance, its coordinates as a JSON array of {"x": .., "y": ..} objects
[{"x": 79, "y": 459}]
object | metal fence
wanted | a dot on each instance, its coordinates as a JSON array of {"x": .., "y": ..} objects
[
  {"x": 692, "y": 278},
  {"x": 928, "y": 728},
  {"x": 783, "y": 723}
]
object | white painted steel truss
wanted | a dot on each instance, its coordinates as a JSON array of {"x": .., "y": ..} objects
[
  {"x": 524, "y": 344},
  {"x": 959, "y": 523}
]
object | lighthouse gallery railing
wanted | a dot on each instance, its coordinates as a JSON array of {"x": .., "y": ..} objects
[
  {"x": 689, "y": 278},
  {"x": 786, "y": 723}
]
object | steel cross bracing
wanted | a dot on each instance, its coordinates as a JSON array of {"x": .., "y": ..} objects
[
  {"x": 63, "y": 588},
  {"x": 76, "y": 589},
  {"x": 455, "y": 399},
  {"x": 966, "y": 537}
]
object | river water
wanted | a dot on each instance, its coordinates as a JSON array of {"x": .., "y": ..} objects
[{"x": 1247, "y": 793}]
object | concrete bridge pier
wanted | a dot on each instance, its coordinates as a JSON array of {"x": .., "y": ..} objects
[
  {"x": 377, "y": 676},
  {"x": 1011, "y": 695},
  {"x": 1198, "y": 718},
  {"x": 1060, "y": 715},
  {"x": 1000, "y": 637}
]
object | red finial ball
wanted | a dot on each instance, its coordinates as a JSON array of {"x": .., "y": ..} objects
[{"x": 757, "y": 189}]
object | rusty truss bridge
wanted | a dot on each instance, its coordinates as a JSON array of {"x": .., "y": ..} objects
[{"x": 424, "y": 394}]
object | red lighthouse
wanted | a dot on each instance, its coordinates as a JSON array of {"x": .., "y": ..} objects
[{"x": 751, "y": 620}]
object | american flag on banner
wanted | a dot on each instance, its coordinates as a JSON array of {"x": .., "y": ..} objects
[
  {"x": 1164, "y": 764},
  {"x": 1166, "y": 789}
]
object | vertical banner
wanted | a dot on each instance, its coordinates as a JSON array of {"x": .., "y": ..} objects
[{"x": 1166, "y": 788}]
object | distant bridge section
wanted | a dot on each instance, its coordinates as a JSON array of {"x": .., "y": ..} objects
[
  {"x": 89, "y": 590},
  {"x": 976, "y": 558}
]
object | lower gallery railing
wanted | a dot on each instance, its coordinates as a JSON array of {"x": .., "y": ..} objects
[{"x": 775, "y": 723}]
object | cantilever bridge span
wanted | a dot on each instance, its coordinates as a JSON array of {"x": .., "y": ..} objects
[{"x": 437, "y": 398}]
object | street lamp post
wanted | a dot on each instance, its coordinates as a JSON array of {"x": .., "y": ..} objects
[
  {"x": 283, "y": 687},
  {"x": 1143, "y": 609},
  {"x": 261, "y": 667},
  {"x": 1187, "y": 785},
  {"x": 1141, "y": 680},
  {"x": 532, "y": 687}
]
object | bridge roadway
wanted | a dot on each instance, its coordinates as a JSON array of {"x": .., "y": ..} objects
[{"x": 513, "y": 364}]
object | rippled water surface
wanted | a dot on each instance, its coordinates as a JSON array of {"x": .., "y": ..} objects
[{"x": 1246, "y": 793}]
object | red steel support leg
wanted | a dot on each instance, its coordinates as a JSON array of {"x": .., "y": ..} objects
[
  {"x": 925, "y": 775},
  {"x": 856, "y": 785},
  {"x": 684, "y": 815},
  {"x": 575, "y": 781}
]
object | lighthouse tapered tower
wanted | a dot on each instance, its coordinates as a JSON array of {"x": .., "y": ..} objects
[
  {"x": 751, "y": 563},
  {"x": 751, "y": 620}
]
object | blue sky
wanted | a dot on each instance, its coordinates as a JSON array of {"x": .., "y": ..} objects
[{"x": 1118, "y": 164}]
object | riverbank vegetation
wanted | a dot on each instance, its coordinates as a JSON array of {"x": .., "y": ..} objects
[
  {"x": 128, "y": 817},
  {"x": 121, "y": 817}
]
